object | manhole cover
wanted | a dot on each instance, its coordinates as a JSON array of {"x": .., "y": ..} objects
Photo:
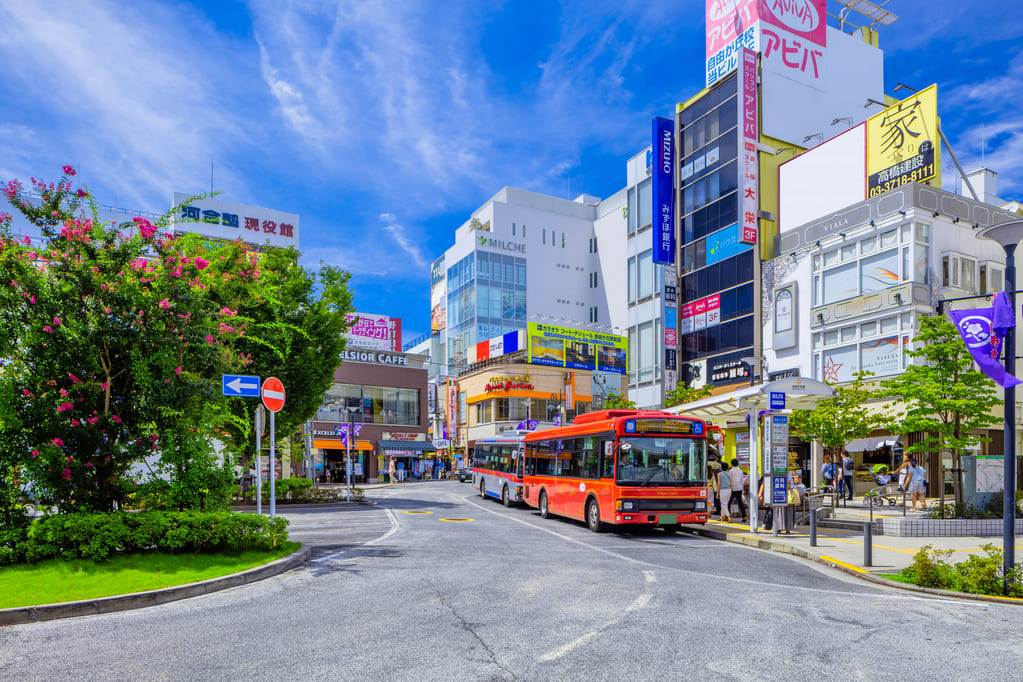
[{"x": 456, "y": 520}]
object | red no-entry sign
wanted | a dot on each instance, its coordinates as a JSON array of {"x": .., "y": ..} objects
[{"x": 273, "y": 394}]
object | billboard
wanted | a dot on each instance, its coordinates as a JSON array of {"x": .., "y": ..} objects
[
  {"x": 663, "y": 190},
  {"x": 576, "y": 348},
  {"x": 369, "y": 331},
  {"x": 903, "y": 143},
  {"x": 229, "y": 221},
  {"x": 438, "y": 297}
]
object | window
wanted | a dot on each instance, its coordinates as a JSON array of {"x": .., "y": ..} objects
[
  {"x": 645, "y": 285},
  {"x": 513, "y": 229},
  {"x": 645, "y": 200},
  {"x": 646, "y": 352},
  {"x": 631, "y": 274},
  {"x": 543, "y": 235},
  {"x": 632, "y": 210},
  {"x": 990, "y": 280},
  {"x": 958, "y": 271}
]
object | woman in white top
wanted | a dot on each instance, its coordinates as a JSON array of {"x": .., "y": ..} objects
[
  {"x": 725, "y": 492},
  {"x": 917, "y": 495}
]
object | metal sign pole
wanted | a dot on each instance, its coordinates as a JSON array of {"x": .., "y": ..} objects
[
  {"x": 273, "y": 500},
  {"x": 259, "y": 462}
]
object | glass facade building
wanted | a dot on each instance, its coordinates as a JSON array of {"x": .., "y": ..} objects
[{"x": 716, "y": 293}]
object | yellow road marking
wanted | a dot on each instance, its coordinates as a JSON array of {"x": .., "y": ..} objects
[
  {"x": 842, "y": 563},
  {"x": 457, "y": 520},
  {"x": 417, "y": 512}
]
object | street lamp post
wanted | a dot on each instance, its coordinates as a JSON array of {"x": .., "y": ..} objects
[
  {"x": 1008, "y": 235},
  {"x": 348, "y": 455}
]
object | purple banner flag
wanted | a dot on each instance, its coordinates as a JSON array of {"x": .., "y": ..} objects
[{"x": 983, "y": 331}]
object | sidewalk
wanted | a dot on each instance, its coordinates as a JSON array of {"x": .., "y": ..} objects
[{"x": 843, "y": 549}]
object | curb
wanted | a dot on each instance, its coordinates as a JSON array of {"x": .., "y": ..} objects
[
  {"x": 137, "y": 600},
  {"x": 302, "y": 505},
  {"x": 784, "y": 548}
]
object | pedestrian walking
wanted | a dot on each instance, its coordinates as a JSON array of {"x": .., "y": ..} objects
[
  {"x": 848, "y": 471},
  {"x": 392, "y": 470},
  {"x": 905, "y": 472},
  {"x": 712, "y": 486},
  {"x": 916, "y": 489},
  {"x": 828, "y": 472},
  {"x": 736, "y": 481},
  {"x": 725, "y": 492}
]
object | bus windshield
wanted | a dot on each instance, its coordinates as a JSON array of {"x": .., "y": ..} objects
[{"x": 661, "y": 460}]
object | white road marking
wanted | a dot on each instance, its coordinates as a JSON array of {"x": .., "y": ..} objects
[
  {"x": 328, "y": 557},
  {"x": 394, "y": 528},
  {"x": 641, "y": 602}
]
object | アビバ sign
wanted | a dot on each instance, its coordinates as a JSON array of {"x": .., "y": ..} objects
[{"x": 273, "y": 394}]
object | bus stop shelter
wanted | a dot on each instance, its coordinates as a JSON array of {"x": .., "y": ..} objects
[{"x": 800, "y": 394}]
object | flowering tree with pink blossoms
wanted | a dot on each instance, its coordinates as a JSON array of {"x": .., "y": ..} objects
[{"x": 115, "y": 342}]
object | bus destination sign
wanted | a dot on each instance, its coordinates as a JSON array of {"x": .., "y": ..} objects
[{"x": 663, "y": 426}]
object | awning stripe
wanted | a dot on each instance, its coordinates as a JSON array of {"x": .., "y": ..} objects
[{"x": 413, "y": 445}]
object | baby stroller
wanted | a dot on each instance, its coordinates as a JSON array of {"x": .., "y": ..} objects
[{"x": 885, "y": 490}]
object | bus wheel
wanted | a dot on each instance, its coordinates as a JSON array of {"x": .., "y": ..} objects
[
  {"x": 545, "y": 512},
  {"x": 483, "y": 488},
  {"x": 505, "y": 498},
  {"x": 593, "y": 517}
]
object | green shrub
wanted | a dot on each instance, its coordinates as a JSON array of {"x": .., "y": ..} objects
[
  {"x": 976, "y": 575},
  {"x": 995, "y": 505},
  {"x": 97, "y": 536},
  {"x": 298, "y": 491}
]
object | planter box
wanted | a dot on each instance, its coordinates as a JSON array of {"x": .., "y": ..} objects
[{"x": 943, "y": 527}]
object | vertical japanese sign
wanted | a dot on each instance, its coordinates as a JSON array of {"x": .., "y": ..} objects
[
  {"x": 902, "y": 143},
  {"x": 749, "y": 202},
  {"x": 732, "y": 25},
  {"x": 452, "y": 397},
  {"x": 663, "y": 190}
]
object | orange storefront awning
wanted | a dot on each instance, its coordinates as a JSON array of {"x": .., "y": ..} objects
[{"x": 324, "y": 444}]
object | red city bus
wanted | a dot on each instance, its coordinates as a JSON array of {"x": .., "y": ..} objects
[
  {"x": 620, "y": 468},
  {"x": 497, "y": 467}
]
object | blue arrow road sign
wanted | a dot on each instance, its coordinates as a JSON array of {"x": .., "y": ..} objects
[{"x": 233, "y": 384}]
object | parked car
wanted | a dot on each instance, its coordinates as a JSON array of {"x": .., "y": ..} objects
[{"x": 464, "y": 474}]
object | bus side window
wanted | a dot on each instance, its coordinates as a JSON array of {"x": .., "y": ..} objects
[{"x": 607, "y": 461}]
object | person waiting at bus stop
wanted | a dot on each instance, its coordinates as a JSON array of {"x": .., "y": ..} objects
[
  {"x": 737, "y": 479},
  {"x": 725, "y": 492}
]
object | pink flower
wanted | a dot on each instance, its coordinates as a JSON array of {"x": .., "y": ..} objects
[
  {"x": 146, "y": 228},
  {"x": 177, "y": 370},
  {"x": 32, "y": 299},
  {"x": 165, "y": 303},
  {"x": 209, "y": 339},
  {"x": 227, "y": 311},
  {"x": 56, "y": 321},
  {"x": 27, "y": 240},
  {"x": 201, "y": 264},
  {"x": 81, "y": 193},
  {"x": 70, "y": 459},
  {"x": 29, "y": 393},
  {"x": 74, "y": 379},
  {"x": 48, "y": 329},
  {"x": 67, "y": 474},
  {"x": 35, "y": 453},
  {"x": 75, "y": 422},
  {"x": 117, "y": 420},
  {"x": 92, "y": 420},
  {"x": 104, "y": 386},
  {"x": 88, "y": 465},
  {"x": 64, "y": 392},
  {"x": 65, "y": 406},
  {"x": 69, "y": 170}
]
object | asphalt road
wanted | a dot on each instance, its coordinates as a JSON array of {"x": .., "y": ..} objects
[{"x": 433, "y": 583}]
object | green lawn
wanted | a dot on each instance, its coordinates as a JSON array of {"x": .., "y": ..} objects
[{"x": 55, "y": 580}]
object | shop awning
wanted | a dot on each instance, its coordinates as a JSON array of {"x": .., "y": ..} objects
[
  {"x": 870, "y": 444},
  {"x": 406, "y": 445},
  {"x": 325, "y": 444}
]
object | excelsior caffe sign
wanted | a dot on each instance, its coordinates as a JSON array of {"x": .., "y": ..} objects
[{"x": 375, "y": 358}]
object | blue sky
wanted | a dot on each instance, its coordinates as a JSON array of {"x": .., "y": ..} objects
[{"x": 384, "y": 124}]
